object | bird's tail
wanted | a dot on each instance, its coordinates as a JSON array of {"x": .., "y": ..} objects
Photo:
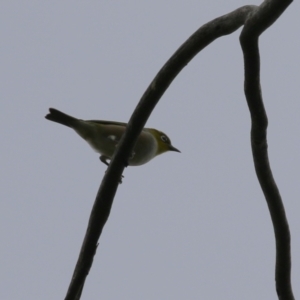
[{"x": 60, "y": 117}]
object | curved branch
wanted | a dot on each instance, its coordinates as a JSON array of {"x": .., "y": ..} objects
[
  {"x": 260, "y": 20},
  {"x": 200, "y": 39}
]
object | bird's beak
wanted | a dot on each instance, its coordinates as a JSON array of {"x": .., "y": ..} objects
[{"x": 172, "y": 148}]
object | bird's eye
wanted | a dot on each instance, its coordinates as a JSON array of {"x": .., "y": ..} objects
[{"x": 164, "y": 139}]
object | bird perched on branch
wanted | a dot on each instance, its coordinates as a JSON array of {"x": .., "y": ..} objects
[{"x": 104, "y": 136}]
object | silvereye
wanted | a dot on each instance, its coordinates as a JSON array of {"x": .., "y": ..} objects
[{"x": 104, "y": 136}]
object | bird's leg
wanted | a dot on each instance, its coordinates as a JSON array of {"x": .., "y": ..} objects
[
  {"x": 130, "y": 157},
  {"x": 103, "y": 159}
]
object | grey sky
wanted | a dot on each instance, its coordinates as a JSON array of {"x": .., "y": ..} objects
[{"x": 193, "y": 225}]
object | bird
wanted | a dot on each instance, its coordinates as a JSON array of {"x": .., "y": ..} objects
[{"x": 104, "y": 136}]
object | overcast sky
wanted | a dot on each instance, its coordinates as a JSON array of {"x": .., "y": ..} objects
[{"x": 193, "y": 225}]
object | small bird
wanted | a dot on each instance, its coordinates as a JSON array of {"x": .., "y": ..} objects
[{"x": 104, "y": 136}]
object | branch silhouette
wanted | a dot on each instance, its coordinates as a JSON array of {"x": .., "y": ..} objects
[
  {"x": 259, "y": 21},
  {"x": 206, "y": 34}
]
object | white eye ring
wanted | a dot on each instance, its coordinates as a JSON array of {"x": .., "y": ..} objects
[{"x": 164, "y": 139}]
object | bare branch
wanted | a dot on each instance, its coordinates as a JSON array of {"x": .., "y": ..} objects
[
  {"x": 200, "y": 39},
  {"x": 258, "y": 21}
]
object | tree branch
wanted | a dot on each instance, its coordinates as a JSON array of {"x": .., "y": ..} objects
[
  {"x": 259, "y": 21},
  {"x": 200, "y": 39}
]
